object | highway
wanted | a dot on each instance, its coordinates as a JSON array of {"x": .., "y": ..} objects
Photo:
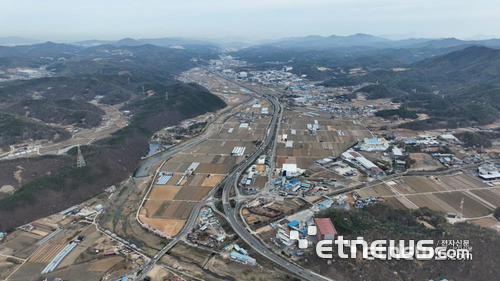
[{"x": 231, "y": 215}]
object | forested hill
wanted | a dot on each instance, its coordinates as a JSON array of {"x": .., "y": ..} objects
[
  {"x": 475, "y": 64},
  {"x": 459, "y": 88},
  {"x": 109, "y": 161}
]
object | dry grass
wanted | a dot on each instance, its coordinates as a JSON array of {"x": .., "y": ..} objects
[
  {"x": 213, "y": 180},
  {"x": 168, "y": 226},
  {"x": 165, "y": 192},
  {"x": 105, "y": 264}
]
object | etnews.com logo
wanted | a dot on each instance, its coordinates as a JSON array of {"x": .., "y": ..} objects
[{"x": 388, "y": 249}]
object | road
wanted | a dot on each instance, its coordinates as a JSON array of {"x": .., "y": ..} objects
[
  {"x": 142, "y": 170},
  {"x": 231, "y": 215}
]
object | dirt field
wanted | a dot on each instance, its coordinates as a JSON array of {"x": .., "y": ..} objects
[
  {"x": 491, "y": 195},
  {"x": 424, "y": 161},
  {"x": 212, "y": 180},
  {"x": 151, "y": 206},
  {"x": 105, "y": 264},
  {"x": 192, "y": 193},
  {"x": 6, "y": 268},
  {"x": 165, "y": 192},
  {"x": 159, "y": 273},
  {"x": 168, "y": 226},
  {"x": 40, "y": 232},
  {"x": 47, "y": 252}
]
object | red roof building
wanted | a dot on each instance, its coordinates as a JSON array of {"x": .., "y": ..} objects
[{"x": 325, "y": 229}]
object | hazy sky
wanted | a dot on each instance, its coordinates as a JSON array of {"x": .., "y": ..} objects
[{"x": 115, "y": 19}]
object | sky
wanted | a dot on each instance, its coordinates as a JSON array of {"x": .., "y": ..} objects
[{"x": 67, "y": 20}]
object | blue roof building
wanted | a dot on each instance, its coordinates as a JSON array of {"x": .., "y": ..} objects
[
  {"x": 293, "y": 224},
  {"x": 372, "y": 141}
]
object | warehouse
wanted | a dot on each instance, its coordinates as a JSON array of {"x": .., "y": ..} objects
[
  {"x": 356, "y": 159},
  {"x": 325, "y": 229}
]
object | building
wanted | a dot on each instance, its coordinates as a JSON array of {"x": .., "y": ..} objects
[
  {"x": 356, "y": 159},
  {"x": 262, "y": 160},
  {"x": 289, "y": 144},
  {"x": 396, "y": 153},
  {"x": 243, "y": 258},
  {"x": 488, "y": 172},
  {"x": 325, "y": 229},
  {"x": 291, "y": 170},
  {"x": 242, "y": 75},
  {"x": 252, "y": 189},
  {"x": 450, "y": 138},
  {"x": 374, "y": 144},
  {"x": 323, "y": 162}
]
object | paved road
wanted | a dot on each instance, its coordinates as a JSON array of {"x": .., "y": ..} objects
[{"x": 231, "y": 215}]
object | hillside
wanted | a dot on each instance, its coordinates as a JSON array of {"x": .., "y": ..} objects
[
  {"x": 16, "y": 129},
  {"x": 476, "y": 64},
  {"x": 460, "y": 88},
  {"x": 109, "y": 161},
  {"x": 84, "y": 89},
  {"x": 381, "y": 221},
  {"x": 48, "y": 49},
  {"x": 64, "y": 112}
]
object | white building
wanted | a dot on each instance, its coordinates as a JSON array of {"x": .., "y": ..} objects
[
  {"x": 374, "y": 144},
  {"x": 488, "y": 172},
  {"x": 291, "y": 170},
  {"x": 356, "y": 159}
]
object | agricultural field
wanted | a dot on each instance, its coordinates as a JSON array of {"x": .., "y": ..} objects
[
  {"x": 332, "y": 139},
  {"x": 85, "y": 262},
  {"x": 443, "y": 194},
  {"x": 196, "y": 171}
]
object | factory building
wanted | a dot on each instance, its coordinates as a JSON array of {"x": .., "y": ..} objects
[{"x": 325, "y": 229}]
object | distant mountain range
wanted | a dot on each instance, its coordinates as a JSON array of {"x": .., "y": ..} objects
[
  {"x": 14, "y": 41},
  {"x": 307, "y": 42}
]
